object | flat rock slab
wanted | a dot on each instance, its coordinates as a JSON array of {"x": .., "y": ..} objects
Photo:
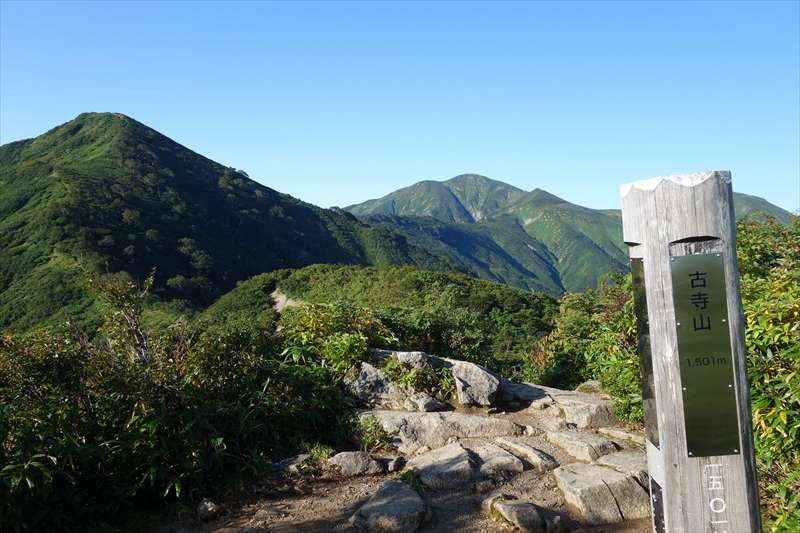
[
  {"x": 620, "y": 434},
  {"x": 444, "y": 468},
  {"x": 521, "y": 514},
  {"x": 526, "y": 392},
  {"x": 539, "y": 459},
  {"x": 601, "y": 494},
  {"x": 394, "y": 508},
  {"x": 632, "y": 463},
  {"x": 582, "y": 446},
  {"x": 413, "y": 431},
  {"x": 583, "y": 409},
  {"x": 356, "y": 464},
  {"x": 495, "y": 459}
]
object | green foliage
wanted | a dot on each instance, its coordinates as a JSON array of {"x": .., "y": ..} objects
[
  {"x": 445, "y": 314},
  {"x": 139, "y": 420},
  {"x": 410, "y": 477},
  {"x": 369, "y": 434},
  {"x": 590, "y": 341},
  {"x": 769, "y": 261}
]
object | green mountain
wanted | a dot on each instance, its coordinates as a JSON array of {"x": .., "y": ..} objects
[
  {"x": 531, "y": 240},
  {"x": 744, "y": 205},
  {"x": 104, "y": 192}
]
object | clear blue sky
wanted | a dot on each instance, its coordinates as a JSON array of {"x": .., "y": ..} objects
[{"x": 338, "y": 103}]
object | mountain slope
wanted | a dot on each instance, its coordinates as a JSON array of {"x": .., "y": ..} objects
[
  {"x": 564, "y": 246},
  {"x": 499, "y": 250},
  {"x": 570, "y": 246},
  {"x": 113, "y": 194}
]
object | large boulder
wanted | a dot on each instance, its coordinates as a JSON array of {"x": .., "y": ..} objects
[
  {"x": 474, "y": 384},
  {"x": 371, "y": 387},
  {"x": 394, "y": 508}
]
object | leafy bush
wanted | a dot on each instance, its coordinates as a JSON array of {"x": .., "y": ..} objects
[
  {"x": 769, "y": 261},
  {"x": 138, "y": 420}
]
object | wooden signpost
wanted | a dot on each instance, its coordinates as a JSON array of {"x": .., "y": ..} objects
[{"x": 695, "y": 391}]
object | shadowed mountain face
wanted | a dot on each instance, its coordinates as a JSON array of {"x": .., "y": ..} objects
[
  {"x": 105, "y": 192},
  {"x": 531, "y": 240}
]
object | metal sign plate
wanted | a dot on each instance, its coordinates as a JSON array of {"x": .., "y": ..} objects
[
  {"x": 704, "y": 349},
  {"x": 645, "y": 353}
]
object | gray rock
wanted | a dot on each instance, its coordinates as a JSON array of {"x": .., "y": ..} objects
[
  {"x": 425, "y": 403},
  {"x": 581, "y": 446},
  {"x": 475, "y": 385},
  {"x": 356, "y": 464},
  {"x": 494, "y": 460},
  {"x": 521, "y": 514},
  {"x": 444, "y": 468},
  {"x": 602, "y": 495},
  {"x": 533, "y": 431},
  {"x": 413, "y": 359},
  {"x": 589, "y": 494},
  {"x": 620, "y": 434},
  {"x": 540, "y": 460},
  {"x": 412, "y": 431},
  {"x": 506, "y": 395},
  {"x": 394, "y": 508},
  {"x": 588, "y": 416},
  {"x": 206, "y": 510},
  {"x": 632, "y": 463},
  {"x": 525, "y": 392},
  {"x": 553, "y": 423},
  {"x": 590, "y": 386},
  {"x": 395, "y": 464},
  {"x": 582, "y": 409},
  {"x": 292, "y": 465},
  {"x": 371, "y": 387},
  {"x": 487, "y": 504}
]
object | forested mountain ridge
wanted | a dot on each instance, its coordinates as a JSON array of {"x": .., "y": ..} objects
[
  {"x": 105, "y": 191},
  {"x": 556, "y": 245}
]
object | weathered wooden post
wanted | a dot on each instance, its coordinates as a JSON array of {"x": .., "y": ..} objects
[{"x": 695, "y": 389}]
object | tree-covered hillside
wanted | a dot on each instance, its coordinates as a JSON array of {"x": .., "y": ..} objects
[
  {"x": 105, "y": 192},
  {"x": 479, "y": 223}
]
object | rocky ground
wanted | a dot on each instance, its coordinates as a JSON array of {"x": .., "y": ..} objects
[{"x": 534, "y": 456}]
